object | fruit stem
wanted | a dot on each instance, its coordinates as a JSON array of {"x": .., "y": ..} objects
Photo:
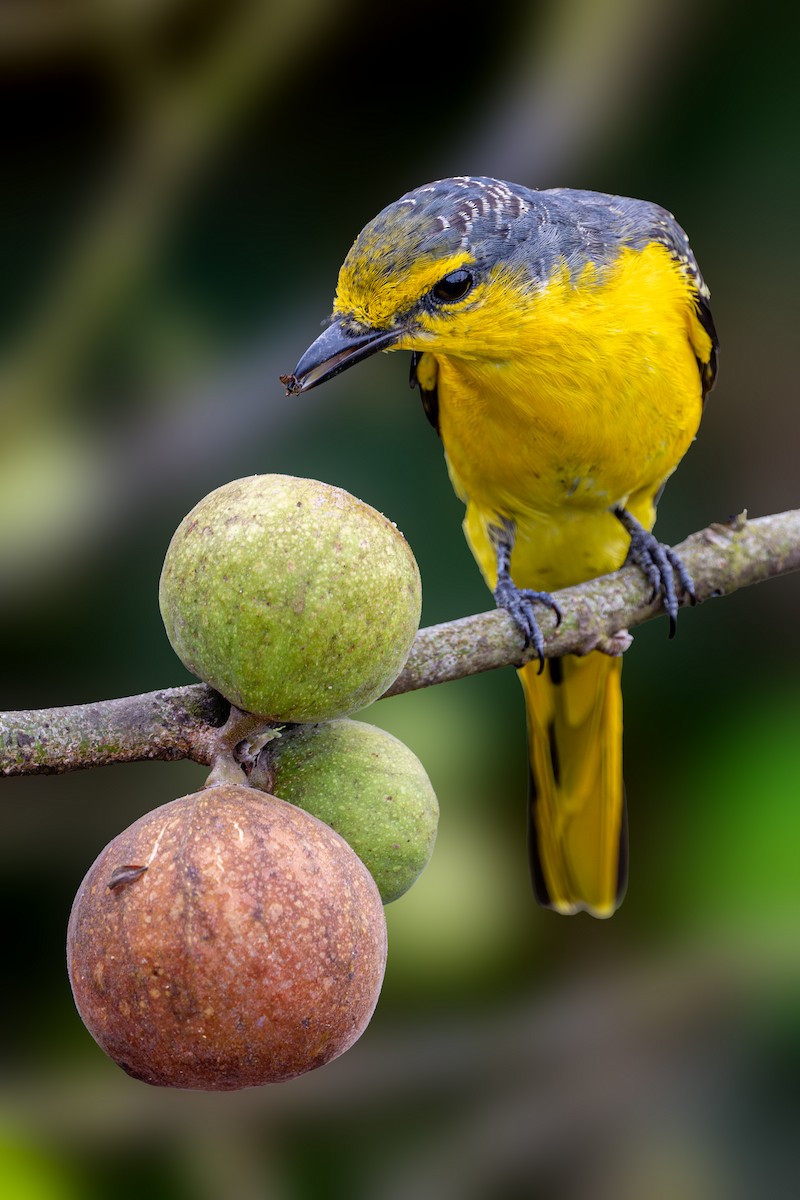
[
  {"x": 239, "y": 725},
  {"x": 225, "y": 770}
]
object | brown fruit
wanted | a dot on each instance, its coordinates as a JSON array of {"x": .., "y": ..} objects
[{"x": 226, "y": 940}]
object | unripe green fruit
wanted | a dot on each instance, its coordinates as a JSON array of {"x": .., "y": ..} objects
[
  {"x": 369, "y": 787},
  {"x": 226, "y": 940},
  {"x": 292, "y": 598}
]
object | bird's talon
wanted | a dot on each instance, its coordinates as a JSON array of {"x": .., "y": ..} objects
[
  {"x": 518, "y": 603},
  {"x": 660, "y": 565}
]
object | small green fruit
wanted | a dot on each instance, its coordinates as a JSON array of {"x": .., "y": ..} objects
[
  {"x": 226, "y": 940},
  {"x": 369, "y": 787},
  {"x": 294, "y": 599}
]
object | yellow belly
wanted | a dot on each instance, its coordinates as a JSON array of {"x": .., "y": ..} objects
[{"x": 599, "y": 403}]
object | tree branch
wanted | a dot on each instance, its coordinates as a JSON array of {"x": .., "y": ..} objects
[
  {"x": 721, "y": 559},
  {"x": 185, "y": 722}
]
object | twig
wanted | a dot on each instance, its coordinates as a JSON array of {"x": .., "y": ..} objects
[{"x": 184, "y": 722}]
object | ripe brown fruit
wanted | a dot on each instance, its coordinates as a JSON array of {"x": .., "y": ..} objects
[
  {"x": 292, "y": 598},
  {"x": 226, "y": 940}
]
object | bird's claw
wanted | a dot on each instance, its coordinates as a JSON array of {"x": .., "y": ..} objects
[
  {"x": 518, "y": 603},
  {"x": 662, "y": 568}
]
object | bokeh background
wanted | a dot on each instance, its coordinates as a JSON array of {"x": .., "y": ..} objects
[{"x": 181, "y": 179}]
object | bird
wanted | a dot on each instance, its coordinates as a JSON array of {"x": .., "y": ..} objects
[{"x": 563, "y": 345}]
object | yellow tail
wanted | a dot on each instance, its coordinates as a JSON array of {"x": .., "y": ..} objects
[{"x": 578, "y": 823}]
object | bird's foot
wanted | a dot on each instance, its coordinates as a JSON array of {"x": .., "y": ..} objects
[
  {"x": 519, "y": 603},
  {"x": 662, "y": 567}
]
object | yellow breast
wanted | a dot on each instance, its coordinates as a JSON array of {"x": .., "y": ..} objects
[{"x": 579, "y": 398}]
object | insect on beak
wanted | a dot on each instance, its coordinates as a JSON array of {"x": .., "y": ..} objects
[{"x": 340, "y": 346}]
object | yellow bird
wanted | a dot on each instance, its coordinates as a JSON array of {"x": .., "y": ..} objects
[{"x": 563, "y": 345}]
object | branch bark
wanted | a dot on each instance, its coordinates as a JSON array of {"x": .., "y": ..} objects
[{"x": 185, "y": 722}]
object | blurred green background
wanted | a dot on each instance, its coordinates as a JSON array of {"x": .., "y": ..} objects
[{"x": 181, "y": 181}]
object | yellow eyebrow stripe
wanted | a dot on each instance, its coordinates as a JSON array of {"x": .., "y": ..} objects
[{"x": 366, "y": 294}]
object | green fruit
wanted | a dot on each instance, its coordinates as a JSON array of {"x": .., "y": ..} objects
[
  {"x": 369, "y": 787},
  {"x": 226, "y": 940},
  {"x": 294, "y": 599}
]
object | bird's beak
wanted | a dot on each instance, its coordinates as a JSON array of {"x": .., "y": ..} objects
[{"x": 339, "y": 347}]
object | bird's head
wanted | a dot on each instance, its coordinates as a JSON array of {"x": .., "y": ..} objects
[{"x": 418, "y": 275}]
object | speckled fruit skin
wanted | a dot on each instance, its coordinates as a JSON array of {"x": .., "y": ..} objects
[
  {"x": 369, "y": 787},
  {"x": 251, "y": 950},
  {"x": 292, "y": 598}
]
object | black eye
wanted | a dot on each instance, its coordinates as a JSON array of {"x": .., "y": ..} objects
[{"x": 453, "y": 287}]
